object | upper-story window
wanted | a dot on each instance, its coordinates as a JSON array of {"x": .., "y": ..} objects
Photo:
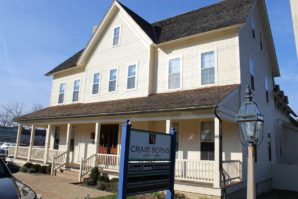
[
  {"x": 113, "y": 80},
  {"x": 96, "y": 82},
  {"x": 267, "y": 90},
  {"x": 116, "y": 36},
  {"x": 132, "y": 76},
  {"x": 208, "y": 68},
  {"x": 76, "y": 91},
  {"x": 61, "y": 93},
  {"x": 174, "y": 73},
  {"x": 252, "y": 75},
  {"x": 253, "y": 29}
]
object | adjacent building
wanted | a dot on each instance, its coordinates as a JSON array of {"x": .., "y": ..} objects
[{"x": 176, "y": 72}]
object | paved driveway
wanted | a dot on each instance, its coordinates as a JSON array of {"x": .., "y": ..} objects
[{"x": 57, "y": 187}]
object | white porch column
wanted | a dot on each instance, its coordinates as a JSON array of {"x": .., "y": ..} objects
[
  {"x": 168, "y": 126},
  {"x": 47, "y": 143},
  {"x": 97, "y": 137},
  {"x": 68, "y": 142},
  {"x": 20, "y": 128},
  {"x": 216, "y": 183},
  {"x": 31, "y": 141}
]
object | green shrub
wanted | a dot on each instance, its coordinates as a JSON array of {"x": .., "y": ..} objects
[
  {"x": 32, "y": 170},
  {"x": 103, "y": 179},
  {"x": 179, "y": 196},
  {"x": 43, "y": 169},
  {"x": 90, "y": 182},
  {"x": 112, "y": 187},
  {"x": 36, "y": 167},
  {"x": 113, "y": 180},
  {"x": 24, "y": 169},
  {"x": 157, "y": 195},
  {"x": 94, "y": 174},
  {"x": 28, "y": 165},
  {"x": 102, "y": 186},
  {"x": 49, "y": 168}
]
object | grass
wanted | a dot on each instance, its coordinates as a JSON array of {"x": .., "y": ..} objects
[{"x": 113, "y": 197}]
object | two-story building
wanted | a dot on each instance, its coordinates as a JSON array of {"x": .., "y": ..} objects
[{"x": 189, "y": 72}]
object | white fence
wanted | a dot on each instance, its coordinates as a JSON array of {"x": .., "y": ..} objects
[
  {"x": 232, "y": 170},
  {"x": 108, "y": 162}
]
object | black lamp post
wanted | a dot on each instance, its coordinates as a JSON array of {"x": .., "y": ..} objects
[{"x": 251, "y": 123}]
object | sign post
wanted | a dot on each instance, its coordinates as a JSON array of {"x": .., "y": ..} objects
[{"x": 147, "y": 162}]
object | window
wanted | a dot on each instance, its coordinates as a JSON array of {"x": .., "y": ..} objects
[
  {"x": 252, "y": 76},
  {"x": 113, "y": 80},
  {"x": 207, "y": 141},
  {"x": 56, "y": 138},
  {"x": 174, "y": 73},
  {"x": 92, "y": 137},
  {"x": 76, "y": 91},
  {"x": 131, "y": 76},
  {"x": 61, "y": 93},
  {"x": 96, "y": 80},
  {"x": 261, "y": 42},
  {"x": 176, "y": 127},
  {"x": 269, "y": 147},
  {"x": 256, "y": 153},
  {"x": 267, "y": 90},
  {"x": 116, "y": 36},
  {"x": 208, "y": 68},
  {"x": 72, "y": 139},
  {"x": 253, "y": 28}
]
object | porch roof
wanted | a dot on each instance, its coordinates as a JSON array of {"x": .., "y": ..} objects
[{"x": 203, "y": 98}]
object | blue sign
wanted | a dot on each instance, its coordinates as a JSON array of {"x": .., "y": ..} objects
[{"x": 147, "y": 162}]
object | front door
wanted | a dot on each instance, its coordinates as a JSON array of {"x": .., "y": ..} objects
[{"x": 109, "y": 139}]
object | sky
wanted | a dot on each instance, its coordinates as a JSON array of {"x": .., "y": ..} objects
[{"x": 38, "y": 35}]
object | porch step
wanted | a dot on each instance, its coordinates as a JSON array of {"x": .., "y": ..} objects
[{"x": 71, "y": 175}]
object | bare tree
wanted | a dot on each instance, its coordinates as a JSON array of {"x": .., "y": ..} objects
[
  {"x": 36, "y": 107},
  {"x": 9, "y": 113}
]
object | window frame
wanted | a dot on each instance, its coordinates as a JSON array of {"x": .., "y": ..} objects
[
  {"x": 99, "y": 84},
  {"x": 209, "y": 142},
  {"x": 215, "y": 66},
  {"x": 61, "y": 93},
  {"x": 116, "y": 80},
  {"x": 113, "y": 34},
  {"x": 251, "y": 73},
  {"x": 267, "y": 97},
  {"x": 76, "y": 90},
  {"x": 181, "y": 71},
  {"x": 136, "y": 76}
]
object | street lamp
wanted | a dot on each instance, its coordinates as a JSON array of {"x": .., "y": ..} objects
[{"x": 251, "y": 123}]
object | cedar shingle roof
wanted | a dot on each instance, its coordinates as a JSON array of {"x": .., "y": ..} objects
[
  {"x": 182, "y": 100},
  {"x": 223, "y": 14}
]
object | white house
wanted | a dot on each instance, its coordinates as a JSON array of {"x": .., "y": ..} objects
[
  {"x": 294, "y": 8},
  {"x": 172, "y": 73}
]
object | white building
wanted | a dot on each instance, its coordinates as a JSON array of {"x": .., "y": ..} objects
[
  {"x": 294, "y": 8},
  {"x": 172, "y": 73}
]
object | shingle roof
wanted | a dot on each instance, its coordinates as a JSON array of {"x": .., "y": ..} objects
[
  {"x": 183, "y": 100},
  {"x": 223, "y": 14}
]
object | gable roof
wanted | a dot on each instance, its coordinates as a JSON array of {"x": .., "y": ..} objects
[
  {"x": 216, "y": 16},
  {"x": 203, "y": 98}
]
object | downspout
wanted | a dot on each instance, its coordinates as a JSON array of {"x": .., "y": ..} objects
[{"x": 221, "y": 170}]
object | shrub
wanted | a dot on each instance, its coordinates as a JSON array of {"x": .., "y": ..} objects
[
  {"x": 112, "y": 187},
  {"x": 157, "y": 195},
  {"x": 49, "y": 168},
  {"x": 102, "y": 186},
  {"x": 94, "y": 174},
  {"x": 28, "y": 165},
  {"x": 43, "y": 169},
  {"x": 32, "y": 170},
  {"x": 24, "y": 169},
  {"x": 36, "y": 167},
  {"x": 179, "y": 196},
  {"x": 103, "y": 179},
  {"x": 90, "y": 182},
  {"x": 113, "y": 180}
]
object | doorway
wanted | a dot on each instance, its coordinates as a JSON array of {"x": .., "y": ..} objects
[{"x": 109, "y": 139}]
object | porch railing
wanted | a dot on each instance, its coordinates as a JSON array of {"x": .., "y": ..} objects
[
  {"x": 58, "y": 162},
  {"x": 53, "y": 153},
  {"x": 194, "y": 170},
  {"x": 87, "y": 165},
  {"x": 23, "y": 152},
  {"x": 11, "y": 151},
  {"x": 232, "y": 170},
  {"x": 107, "y": 162},
  {"x": 37, "y": 153}
]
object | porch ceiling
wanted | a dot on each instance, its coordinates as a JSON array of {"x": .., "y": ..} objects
[{"x": 204, "y": 98}]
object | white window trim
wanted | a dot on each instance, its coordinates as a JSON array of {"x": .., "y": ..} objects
[
  {"x": 181, "y": 72},
  {"x": 120, "y": 33},
  {"x": 215, "y": 66},
  {"x": 99, "y": 84},
  {"x": 64, "y": 82},
  {"x": 136, "y": 76},
  {"x": 116, "y": 84},
  {"x": 75, "y": 102}
]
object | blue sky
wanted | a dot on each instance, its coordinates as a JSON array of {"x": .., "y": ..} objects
[{"x": 37, "y": 35}]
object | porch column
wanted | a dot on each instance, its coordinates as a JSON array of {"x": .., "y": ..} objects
[
  {"x": 68, "y": 142},
  {"x": 31, "y": 141},
  {"x": 47, "y": 143},
  {"x": 20, "y": 128},
  {"x": 97, "y": 137},
  {"x": 216, "y": 182},
  {"x": 168, "y": 126}
]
